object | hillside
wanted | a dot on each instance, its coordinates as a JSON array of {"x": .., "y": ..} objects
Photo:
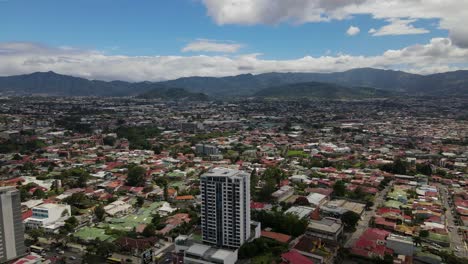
[
  {"x": 53, "y": 84},
  {"x": 172, "y": 94},
  {"x": 319, "y": 90}
]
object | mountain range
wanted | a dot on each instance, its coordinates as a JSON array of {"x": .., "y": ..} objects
[{"x": 353, "y": 83}]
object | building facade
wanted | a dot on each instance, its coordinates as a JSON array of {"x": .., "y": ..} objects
[
  {"x": 48, "y": 216},
  {"x": 225, "y": 208},
  {"x": 11, "y": 227}
]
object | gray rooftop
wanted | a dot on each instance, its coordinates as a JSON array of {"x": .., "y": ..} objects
[{"x": 224, "y": 172}]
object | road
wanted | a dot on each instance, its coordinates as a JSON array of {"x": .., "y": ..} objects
[
  {"x": 456, "y": 240},
  {"x": 363, "y": 224},
  {"x": 67, "y": 256}
]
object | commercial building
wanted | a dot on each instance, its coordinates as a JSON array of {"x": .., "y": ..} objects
[
  {"x": 225, "y": 207},
  {"x": 401, "y": 245},
  {"x": 11, "y": 227},
  {"x": 48, "y": 216},
  {"x": 283, "y": 193},
  {"x": 195, "y": 253},
  {"x": 327, "y": 228},
  {"x": 204, "y": 149}
]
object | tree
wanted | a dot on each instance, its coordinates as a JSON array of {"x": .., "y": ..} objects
[
  {"x": 109, "y": 140},
  {"x": 267, "y": 190},
  {"x": 424, "y": 233},
  {"x": 35, "y": 233},
  {"x": 136, "y": 176},
  {"x": 149, "y": 231},
  {"x": 274, "y": 173},
  {"x": 339, "y": 188},
  {"x": 104, "y": 248},
  {"x": 369, "y": 204},
  {"x": 100, "y": 213},
  {"x": 424, "y": 169},
  {"x": 253, "y": 181},
  {"x": 301, "y": 200},
  {"x": 399, "y": 167},
  {"x": 140, "y": 201},
  {"x": 350, "y": 219},
  {"x": 39, "y": 194}
]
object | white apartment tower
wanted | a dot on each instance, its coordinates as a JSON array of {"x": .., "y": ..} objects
[
  {"x": 225, "y": 208},
  {"x": 11, "y": 226}
]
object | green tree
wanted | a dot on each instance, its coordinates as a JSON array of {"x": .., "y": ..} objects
[
  {"x": 424, "y": 233},
  {"x": 339, "y": 188},
  {"x": 39, "y": 194},
  {"x": 266, "y": 191},
  {"x": 140, "y": 201},
  {"x": 253, "y": 181},
  {"x": 136, "y": 176},
  {"x": 35, "y": 233},
  {"x": 350, "y": 219},
  {"x": 399, "y": 167},
  {"x": 424, "y": 169},
  {"x": 109, "y": 140},
  {"x": 100, "y": 213},
  {"x": 274, "y": 173},
  {"x": 149, "y": 231}
]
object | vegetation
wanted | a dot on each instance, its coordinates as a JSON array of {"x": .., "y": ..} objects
[
  {"x": 100, "y": 213},
  {"x": 262, "y": 246},
  {"x": 138, "y": 136},
  {"x": 339, "y": 188},
  {"x": 136, "y": 176},
  {"x": 28, "y": 147},
  {"x": 350, "y": 220},
  {"x": 282, "y": 223}
]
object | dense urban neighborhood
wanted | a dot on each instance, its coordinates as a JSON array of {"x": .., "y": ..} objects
[{"x": 134, "y": 180}]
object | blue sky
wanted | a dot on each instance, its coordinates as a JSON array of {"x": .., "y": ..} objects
[
  {"x": 164, "y": 27},
  {"x": 272, "y": 30}
]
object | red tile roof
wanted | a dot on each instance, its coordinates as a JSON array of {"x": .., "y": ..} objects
[
  {"x": 276, "y": 236},
  {"x": 293, "y": 257}
]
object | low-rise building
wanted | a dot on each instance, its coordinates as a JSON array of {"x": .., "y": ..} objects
[
  {"x": 327, "y": 228},
  {"x": 401, "y": 245},
  {"x": 48, "y": 216},
  {"x": 283, "y": 193}
]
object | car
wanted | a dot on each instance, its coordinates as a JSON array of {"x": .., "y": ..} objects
[
  {"x": 72, "y": 257},
  {"x": 61, "y": 252}
]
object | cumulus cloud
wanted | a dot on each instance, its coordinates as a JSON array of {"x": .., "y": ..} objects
[
  {"x": 353, "y": 31},
  {"x": 206, "y": 45},
  {"x": 451, "y": 14},
  {"x": 398, "y": 27},
  {"x": 440, "y": 54}
]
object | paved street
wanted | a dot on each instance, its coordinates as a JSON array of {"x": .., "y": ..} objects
[
  {"x": 363, "y": 224},
  {"x": 68, "y": 256},
  {"x": 456, "y": 241}
]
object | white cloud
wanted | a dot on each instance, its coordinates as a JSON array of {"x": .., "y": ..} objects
[
  {"x": 353, "y": 31},
  {"x": 19, "y": 58},
  {"x": 451, "y": 14},
  {"x": 398, "y": 26},
  {"x": 206, "y": 45}
]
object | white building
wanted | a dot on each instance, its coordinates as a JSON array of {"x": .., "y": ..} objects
[
  {"x": 48, "y": 216},
  {"x": 225, "y": 207},
  {"x": 196, "y": 253},
  {"x": 118, "y": 208},
  {"x": 316, "y": 199},
  {"x": 283, "y": 193},
  {"x": 11, "y": 229}
]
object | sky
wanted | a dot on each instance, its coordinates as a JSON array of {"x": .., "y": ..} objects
[{"x": 139, "y": 40}]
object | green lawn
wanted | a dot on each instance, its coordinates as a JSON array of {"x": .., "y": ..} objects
[{"x": 91, "y": 233}]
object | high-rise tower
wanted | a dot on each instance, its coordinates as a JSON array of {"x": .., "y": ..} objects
[
  {"x": 11, "y": 226},
  {"x": 225, "y": 207}
]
